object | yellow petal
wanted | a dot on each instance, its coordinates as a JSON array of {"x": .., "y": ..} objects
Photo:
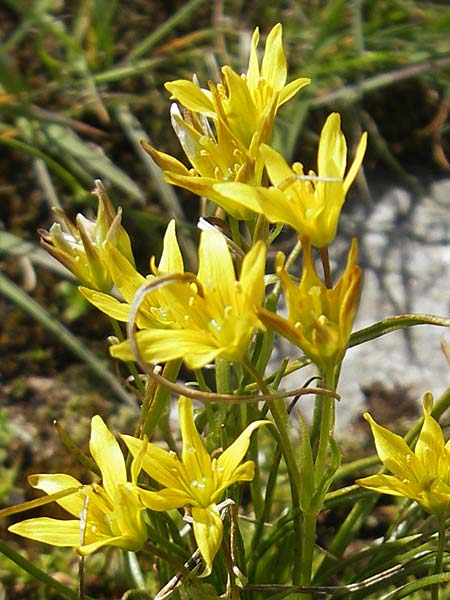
[
  {"x": 395, "y": 454},
  {"x": 191, "y": 96},
  {"x": 357, "y": 161},
  {"x": 274, "y": 67},
  {"x": 165, "y": 161},
  {"x": 171, "y": 258},
  {"x": 227, "y": 471},
  {"x": 332, "y": 155},
  {"x": 216, "y": 269},
  {"x": 252, "y": 275},
  {"x": 107, "y": 304},
  {"x": 192, "y": 143},
  {"x": 56, "y": 482},
  {"x": 106, "y": 452},
  {"x": 292, "y": 88},
  {"x": 50, "y": 531},
  {"x": 197, "y": 348},
  {"x": 125, "y": 276},
  {"x": 280, "y": 325},
  {"x": 166, "y": 499},
  {"x": 277, "y": 168},
  {"x": 430, "y": 445},
  {"x": 240, "y": 113},
  {"x": 161, "y": 465},
  {"x": 208, "y": 531},
  {"x": 386, "y": 484},
  {"x": 253, "y": 63},
  {"x": 119, "y": 541},
  {"x": 127, "y": 512},
  {"x": 205, "y": 186},
  {"x": 195, "y": 457}
]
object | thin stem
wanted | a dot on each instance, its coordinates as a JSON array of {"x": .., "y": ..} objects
[
  {"x": 280, "y": 421},
  {"x": 130, "y": 365},
  {"x": 308, "y": 545},
  {"x": 261, "y": 231},
  {"x": 326, "y": 267},
  {"x": 279, "y": 415},
  {"x": 326, "y": 427},
  {"x": 439, "y": 554},
  {"x": 161, "y": 399},
  {"x": 223, "y": 376}
]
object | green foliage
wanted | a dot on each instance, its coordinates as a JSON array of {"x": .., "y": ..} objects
[
  {"x": 80, "y": 85},
  {"x": 7, "y": 474}
]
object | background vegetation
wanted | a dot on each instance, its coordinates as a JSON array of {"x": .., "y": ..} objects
[{"x": 81, "y": 83}]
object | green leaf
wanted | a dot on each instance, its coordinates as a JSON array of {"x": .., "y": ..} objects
[
  {"x": 308, "y": 486},
  {"x": 392, "y": 324}
]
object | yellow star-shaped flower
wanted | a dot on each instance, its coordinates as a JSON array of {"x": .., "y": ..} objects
[
  {"x": 309, "y": 203},
  {"x": 212, "y": 317},
  {"x": 106, "y": 514},
  {"x": 423, "y": 474},
  {"x": 197, "y": 480},
  {"x": 222, "y": 128},
  {"x": 320, "y": 319}
]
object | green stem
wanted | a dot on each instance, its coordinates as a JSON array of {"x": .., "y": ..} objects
[
  {"x": 326, "y": 267},
  {"x": 261, "y": 231},
  {"x": 308, "y": 545},
  {"x": 279, "y": 415},
  {"x": 326, "y": 426},
  {"x": 439, "y": 554},
  {"x": 130, "y": 365},
  {"x": 325, "y": 414},
  {"x": 223, "y": 376},
  {"x": 280, "y": 421},
  {"x": 170, "y": 372}
]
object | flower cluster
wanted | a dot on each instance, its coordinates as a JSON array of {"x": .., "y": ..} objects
[
  {"x": 222, "y": 315},
  {"x": 111, "y": 512},
  {"x": 222, "y": 128}
]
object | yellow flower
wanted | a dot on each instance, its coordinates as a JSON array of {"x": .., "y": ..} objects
[
  {"x": 221, "y": 129},
  {"x": 153, "y": 312},
  {"x": 105, "y": 515},
  {"x": 81, "y": 247},
  {"x": 320, "y": 319},
  {"x": 214, "y": 316},
  {"x": 197, "y": 480},
  {"x": 423, "y": 474},
  {"x": 310, "y": 204}
]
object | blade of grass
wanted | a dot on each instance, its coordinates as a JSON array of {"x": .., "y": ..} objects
[
  {"x": 37, "y": 573},
  {"x": 153, "y": 38},
  {"x": 11, "y": 291}
]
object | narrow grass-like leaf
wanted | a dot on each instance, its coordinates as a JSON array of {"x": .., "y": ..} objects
[
  {"x": 34, "y": 571},
  {"x": 11, "y": 291},
  {"x": 393, "y": 324},
  {"x": 166, "y": 27}
]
